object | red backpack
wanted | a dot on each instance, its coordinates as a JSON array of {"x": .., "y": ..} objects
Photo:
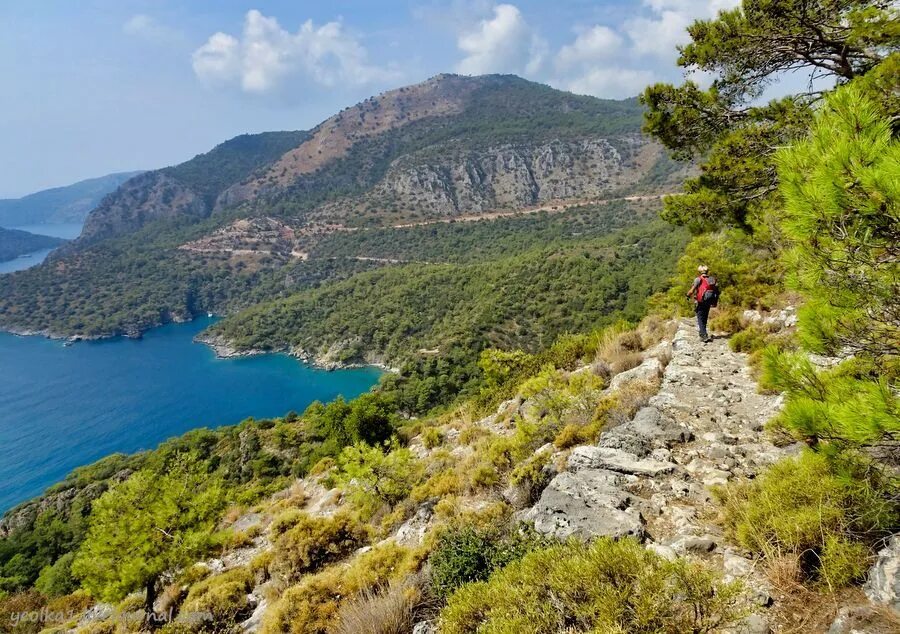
[{"x": 708, "y": 290}]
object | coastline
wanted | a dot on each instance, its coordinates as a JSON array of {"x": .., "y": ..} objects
[
  {"x": 222, "y": 348},
  {"x": 225, "y": 349}
]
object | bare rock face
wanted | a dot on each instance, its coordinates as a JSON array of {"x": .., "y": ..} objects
[
  {"x": 509, "y": 176},
  {"x": 883, "y": 583},
  {"x": 150, "y": 196},
  {"x": 586, "y": 503}
]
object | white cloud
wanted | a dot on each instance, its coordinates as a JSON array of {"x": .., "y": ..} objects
[
  {"x": 502, "y": 43},
  {"x": 266, "y": 56},
  {"x": 149, "y": 28},
  {"x": 590, "y": 47},
  {"x": 660, "y": 33},
  {"x": 610, "y": 83}
]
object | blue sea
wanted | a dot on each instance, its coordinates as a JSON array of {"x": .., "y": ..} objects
[
  {"x": 69, "y": 231},
  {"x": 62, "y": 407}
]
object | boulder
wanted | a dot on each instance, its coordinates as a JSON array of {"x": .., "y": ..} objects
[
  {"x": 883, "y": 582},
  {"x": 587, "y": 503},
  {"x": 413, "y": 530},
  {"x": 589, "y": 457},
  {"x": 424, "y": 627},
  {"x": 650, "y": 370},
  {"x": 684, "y": 544}
]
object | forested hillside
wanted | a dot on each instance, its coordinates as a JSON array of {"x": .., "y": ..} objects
[
  {"x": 256, "y": 217},
  {"x": 558, "y": 452},
  {"x": 14, "y": 243}
]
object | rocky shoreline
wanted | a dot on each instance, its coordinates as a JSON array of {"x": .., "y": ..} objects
[{"x": 225, "y": 349}]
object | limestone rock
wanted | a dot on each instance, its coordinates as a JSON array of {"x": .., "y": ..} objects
[
  {"x": 424, "y": 627},
  {"x": 255, "y": 620},
  {"x": 862, "y": 619},
  {"x": 412, "y": 532},
  {"x": 883, "y": 583},
  {"x": 587, "y": 503},
  {"x": 752, "y": 624},
  {"x": 616, "y": 460},
  {"x": 685, "y": 544},
  {"x": 650, "y": 370}
]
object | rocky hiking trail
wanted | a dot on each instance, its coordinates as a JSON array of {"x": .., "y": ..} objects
[{"x": 650, "y": 478}]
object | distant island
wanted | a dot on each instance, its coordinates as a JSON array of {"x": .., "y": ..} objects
[
  {"x": 68, "y": 204},
  {"x": 15, "y": 243}
]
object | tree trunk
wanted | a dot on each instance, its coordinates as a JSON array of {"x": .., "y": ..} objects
[{"x": 150, "y": 621}]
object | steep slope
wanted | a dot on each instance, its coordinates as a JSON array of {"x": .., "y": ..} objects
[
  {"x": 238, "y": 224},
  {"x": 71, "y": 203},
  {"x": 184, "y": 192},
  {"x": 14, "y": 243}
]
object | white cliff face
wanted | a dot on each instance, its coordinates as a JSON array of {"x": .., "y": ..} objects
[{"x": 509, "y": 176}]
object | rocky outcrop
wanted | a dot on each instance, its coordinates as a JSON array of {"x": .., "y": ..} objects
[
  {"x": 508, "y": 176},
  {"x": 883, "y": 582},
  {"x": 142, "y": 199},
  {"x": 59, "y": 502}
]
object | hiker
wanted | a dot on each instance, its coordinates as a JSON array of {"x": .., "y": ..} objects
[{"x": 705, "y": 293}]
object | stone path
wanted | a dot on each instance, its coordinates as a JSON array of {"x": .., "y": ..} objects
[{"x": 650, "y": 477}]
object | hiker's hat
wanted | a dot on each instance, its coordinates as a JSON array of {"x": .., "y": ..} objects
[{"x": 702, "y": 269}]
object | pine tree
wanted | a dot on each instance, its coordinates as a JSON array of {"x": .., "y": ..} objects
[
  {"x": 149, "y": 525},
  {"x": 745, "y": 50},
  {"x": 841, "y": 215}
]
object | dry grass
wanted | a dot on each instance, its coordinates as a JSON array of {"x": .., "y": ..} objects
[
  {"x": 390, "y": 611},
  {"x": 799, "y": 608},
  {"x": 654, "y": 329},
  {"x": 624, "y": 404}
]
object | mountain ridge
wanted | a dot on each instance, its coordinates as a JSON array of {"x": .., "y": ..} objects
[
  {"x": 67, "y": 203},
  {"x": 190, "y": 238}
]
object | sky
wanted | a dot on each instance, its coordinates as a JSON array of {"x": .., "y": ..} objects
[{"x": 100, "y": 86}]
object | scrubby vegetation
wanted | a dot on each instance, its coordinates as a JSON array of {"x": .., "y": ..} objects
[
  {"x": 823, "y": 514},
  {"x": 604, "y": 587},
  {"x": 14, "y": 243},
  {"x": 532, "y": 339}
]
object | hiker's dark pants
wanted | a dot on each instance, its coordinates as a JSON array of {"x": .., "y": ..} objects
[{"x": 702, "y": 310}]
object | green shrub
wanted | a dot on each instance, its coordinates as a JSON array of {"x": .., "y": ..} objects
[
  {"x": 570, "y": 350},
  {"x": 57, "y": 580},
  {"x": 726, "y": 320},
  {"x": 431, "y": 437},
  {"x": 750, "y": 339},
  {"x": 311, "y": 607},
  {"x": 849, "y": 404},
  {"x": 219, "y": 601},
  {"x": 823, "y": 511},
  {"x": 374, "y": 477},
  {"x": 603, "y": 587},
  {"x": 573, "y": 435},
  {"x": 313, "y": 542},
  {"x": 468, "y": 553}
]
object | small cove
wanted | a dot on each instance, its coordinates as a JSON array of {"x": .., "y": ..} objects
[{"x": 66, "y": 406}]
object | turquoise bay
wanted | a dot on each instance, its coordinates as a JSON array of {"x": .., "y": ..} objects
[{"x": 63, "y": 407}]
